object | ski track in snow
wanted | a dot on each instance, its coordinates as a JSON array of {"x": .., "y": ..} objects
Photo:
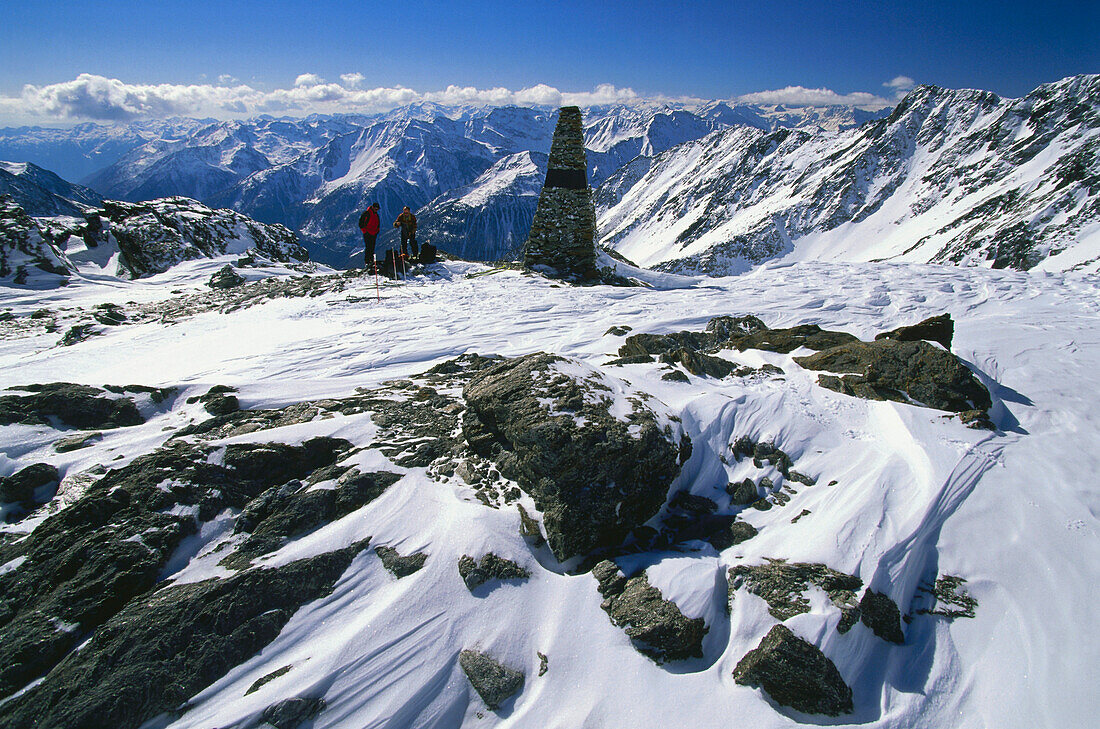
[{"x": 917, "y": 495}]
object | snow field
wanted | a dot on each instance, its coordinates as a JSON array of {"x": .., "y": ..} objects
[{"x": 916, "y": 495}]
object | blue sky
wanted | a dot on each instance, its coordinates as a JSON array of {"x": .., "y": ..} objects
[{"x": 151, "y": 57}]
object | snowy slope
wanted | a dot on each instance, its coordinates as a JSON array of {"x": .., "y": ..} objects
[
  {"x": 41, "y": 192},
  {"x": 487, "y": 220},
  {"x": 958, "y": 177},
  {"x": 903, "y": 495}
]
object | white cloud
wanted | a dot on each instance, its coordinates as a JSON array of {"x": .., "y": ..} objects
[
  {"x": 900, "y": 83},
  {"x": 226, "y": 79},
  {"x": 308, "y": 79},
  {"x": 352, "y": 80},
  {"x": 107, "y": 99},
  {"x": 802, "y": 96}
]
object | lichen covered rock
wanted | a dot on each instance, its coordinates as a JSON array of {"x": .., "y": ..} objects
[{"x": 494, "y": 682}]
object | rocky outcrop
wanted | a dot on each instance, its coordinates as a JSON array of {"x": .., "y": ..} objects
[
  {"x": 783, "y": 587},
  {"x": 400, "y": 565},
  {"x": 494, "y": 682},
  {"x": 476, "y": 573},
  {"x": 593, "y": 475},
  {"x": 795, "y": 673},
  {"x": 75, "y": 406},
  {"x": 87, "y": 562},
  {"x": 939, "y": 329},
  {"x": 562, "y": 240},
  {"x": 903, "y": 371},
  {"x": 158, "y": 652},
  {"x": 656, "y": 625}
]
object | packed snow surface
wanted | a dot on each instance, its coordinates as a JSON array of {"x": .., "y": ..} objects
[{"x": 903, "y": 494}]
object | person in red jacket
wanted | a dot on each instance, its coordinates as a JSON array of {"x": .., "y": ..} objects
[{"x": 370, "y": 223}]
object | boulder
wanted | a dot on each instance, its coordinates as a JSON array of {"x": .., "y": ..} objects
[
  {"x": 879, "y": 613},
  {"x": 594, "y": 476},
  {"x": 20, "y": 487},
  {"x": 494, "y": 682},
  {"x": 783, "y": 586},
  {"x": 225, "y": 278},
  {"x": 795, "y": 674},
  {"x": 911, "y": 372},
  {"x": 657, "y": 627},
  {"x": 292, "y": 713}
]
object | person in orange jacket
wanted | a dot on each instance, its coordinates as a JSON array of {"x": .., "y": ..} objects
[
  {"x": 370, "y": 223},
  {"x": 407, "y": 222}
]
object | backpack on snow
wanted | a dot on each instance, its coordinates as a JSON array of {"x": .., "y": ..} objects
[{"x": 427, "y": 253}]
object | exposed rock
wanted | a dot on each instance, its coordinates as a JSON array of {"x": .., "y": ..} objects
[
  {"x": 911, "y": 372},
  {"x": 593, "y": 477},
  {"x": 86, "y": 562},
  {"x": 618, "y": 331},
  {"x": 784, "y": 341},
  {"x": 76, "y": 442},
  {"x": 76, "y": 406},
  {"x": 939, "y": 329},
  {"x": 879, "y": 613},
  {"x": 657, "y": 627},
  {"x": 292, "y": 713},
  {"x": 268, "y": 678},
  {"x": 699, "y": 364},
  {"x": 675, "y": 376},
  {"x": 783, "y": 585},
  {"x": 529, "y": 528},
  {"x": 398, "y": 565},
  {"x": 491, "y": 567},
  {"x": 743, "y": 493},
  {"x": 286, "y": 512},
  {"x": 77, "y": 334},
  {"x": 494, "y": 682},
  {"x": 795, "y": 674},
  {"x": 225, "y": 278},
  {"x": 951, "y": 599},
  {"x": 20, "y": 486},
  {"x": 544, "y": 663},
  {"x": 158, "y": 652}
]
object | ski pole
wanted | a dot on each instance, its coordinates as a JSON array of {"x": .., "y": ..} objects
[{"x": 377, "y": 288}]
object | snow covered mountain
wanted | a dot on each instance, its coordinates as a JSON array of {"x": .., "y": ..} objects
[
  {"x": 487, "y": 220},
  {"x": 959, "y": 177},
  {"x": 41, "y": 192},
  {"x": 130, "y": 240},
  {"x": 77, "y": 152},
  {"x": 318, "y": 506}
]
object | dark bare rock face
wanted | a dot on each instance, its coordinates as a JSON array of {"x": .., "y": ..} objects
[
  {"x": 20, "y": 487},
  {"x": 888, "y": 369},
  {"x": 87, "y": 562},
  {"x": 494, "y": 682},
  {"x": 157, "y": 652},
  {"x": 593, "y": 476},
  {"x": 784, "y": 341},
  {"x": 75, "y": 406},
  {"x": 795, "y": 674},
  {"x": 940, "y": 329},
  {"x": 657, "y": 627},
  {"x": 879, "y": 613}
]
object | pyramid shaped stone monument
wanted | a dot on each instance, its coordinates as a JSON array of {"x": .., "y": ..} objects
[{"x": 562, "y": 241}]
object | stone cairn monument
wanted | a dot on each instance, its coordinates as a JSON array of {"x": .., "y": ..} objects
[{"x": 562, "y": 241}]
